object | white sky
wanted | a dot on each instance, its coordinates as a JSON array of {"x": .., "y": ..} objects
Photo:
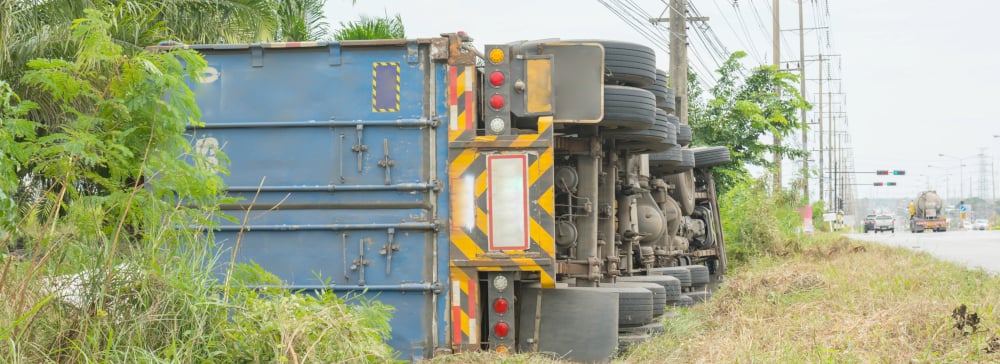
[{"x": 919, "y": 76}]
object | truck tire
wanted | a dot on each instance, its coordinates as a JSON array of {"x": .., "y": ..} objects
[
  {"x": 669, "y": 104},
  {"x": 671, "y": 284},
  {"x": 699, "y": 275},
  {"x": 652, "y": 140},
  {"x": 663, "y": 162},
  {"x": 628, "y": 63},
  {"x": 628, "y": 108},
  {"x": 659, "y": 294},
  {"x": 660, "y": 137},
  {"x": 684, "y": 135},
  {"x": 671, "y": 162},
  {"x": 684, "y": 301},
  {"x": 681, "y": 273},
  {"x": 659, "y": 87},
  {"x": 635, "y": 306},
  {"x": 705, "y": 157},
  {"x": 674, "y": 120},
  {"x": 687, "y": 159}
]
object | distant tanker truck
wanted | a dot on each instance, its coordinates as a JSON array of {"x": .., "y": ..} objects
[{"x": 925, "y": 213}]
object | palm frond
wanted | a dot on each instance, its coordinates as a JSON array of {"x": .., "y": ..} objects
[{"x": 371, "y": 28}]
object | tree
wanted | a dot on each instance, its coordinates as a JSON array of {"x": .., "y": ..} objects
[
  {"x": 41, "y": 29},
  {"x": 371, "y": 28},
  {"x": 301, "y": 20},
  {"x": 741, "y": 111}
]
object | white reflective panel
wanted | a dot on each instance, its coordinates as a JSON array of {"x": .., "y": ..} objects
[{"x": 508, "y": 201}]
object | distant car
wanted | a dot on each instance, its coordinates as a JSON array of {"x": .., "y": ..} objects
[
  {"x": 966, "y": 225},
  {"x": 885, "y": 223},
  {"x": 981, "y": 224},
  {"x": 869, "y": 223}
]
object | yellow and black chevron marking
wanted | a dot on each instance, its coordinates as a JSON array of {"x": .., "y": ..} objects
[
  {"x": 470, "y": 210},
  {"x": 385, "y": 87}
]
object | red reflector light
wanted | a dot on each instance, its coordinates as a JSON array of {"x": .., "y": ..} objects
[
  {"x": 500, "y": 306},
  {"x": 501, "y": 329},
  {"x": 496, "y": 78},
  {"x": 497, "y": 102}
]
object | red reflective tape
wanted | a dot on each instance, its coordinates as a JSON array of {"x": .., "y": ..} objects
[
  {"x": 473, "y": 298},
  {"x": 456, "y": 324},
  {"x": 469, "y": 114},
  {"x": 452, "y": 85}
]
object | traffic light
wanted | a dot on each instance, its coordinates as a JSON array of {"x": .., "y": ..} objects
[
  {"x": 877, "y": 184},
  {"x": 882, "y": 172},
  {"x": 890, "y": 184},
  {"x": 898, "y": 173}
]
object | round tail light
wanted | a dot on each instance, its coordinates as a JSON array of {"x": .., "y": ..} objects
[
  {"x": 500, "y": 306},
  {"x": 501, "y": 329},
  {"x": 497, "y": 102},
  {"x": 497, "y": 78}
]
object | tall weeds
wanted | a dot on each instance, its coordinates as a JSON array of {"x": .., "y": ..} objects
[
  {"x": 100, "y": 262},
  {"x": 757, "y": 222}
]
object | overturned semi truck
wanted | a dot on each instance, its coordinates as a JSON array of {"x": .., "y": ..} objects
[{"x": 531, "y": 196}]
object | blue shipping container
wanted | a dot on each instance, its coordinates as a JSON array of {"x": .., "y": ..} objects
[{"x": 337, "y": 145}]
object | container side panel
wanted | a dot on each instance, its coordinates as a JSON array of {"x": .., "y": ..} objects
[{"x": 341, "y": 166}]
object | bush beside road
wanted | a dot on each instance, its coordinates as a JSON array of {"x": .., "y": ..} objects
[{"x": 839, "y": 300}]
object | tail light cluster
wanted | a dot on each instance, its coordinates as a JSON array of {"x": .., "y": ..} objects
[
  {"x": 500, "y": 305},
  {"x": 496, "y": 91}
]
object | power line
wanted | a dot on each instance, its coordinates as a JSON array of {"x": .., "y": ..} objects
[
  {"x": 639, "y": 26},
  {"x": 746, "y": 31},
  {"x": 737, "y": 34},
  {"x": 641, "y": 15},
  {"x": 638, "y": 19}
]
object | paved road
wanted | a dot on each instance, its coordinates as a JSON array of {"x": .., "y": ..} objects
[{"x": 977, "y": 249}]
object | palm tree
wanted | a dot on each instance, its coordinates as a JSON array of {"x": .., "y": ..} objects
[
  {"x": 371, "y": 28},
  {"x": 31, "y": 29},
  {"x": 301, "y": 20}
]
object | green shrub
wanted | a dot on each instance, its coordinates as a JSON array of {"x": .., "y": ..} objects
[
  {"x": 107, "y": 268},
  {"x": 756, "y": 222}
]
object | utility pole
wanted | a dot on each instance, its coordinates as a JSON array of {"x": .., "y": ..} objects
[
  {"x": 838, "y": 182},
  {"x": 833, "y": 130},
  {"x": 678, "y": 57},
  {"x": 820, "y": 123},
  {"x": 802, "y": 118},
  {"x": 776, "y": 37}
]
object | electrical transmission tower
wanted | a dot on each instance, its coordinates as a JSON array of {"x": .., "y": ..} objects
[{"x": 984, "y": 176}]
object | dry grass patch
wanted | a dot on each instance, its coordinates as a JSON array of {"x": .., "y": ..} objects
[{"x": 839, "y": 301}]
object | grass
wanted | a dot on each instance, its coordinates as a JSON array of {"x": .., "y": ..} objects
[
  {"x": 828, "y": 300},
  {"x": 164, "y": 304},
  {"x": 837, "y": 300}
]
